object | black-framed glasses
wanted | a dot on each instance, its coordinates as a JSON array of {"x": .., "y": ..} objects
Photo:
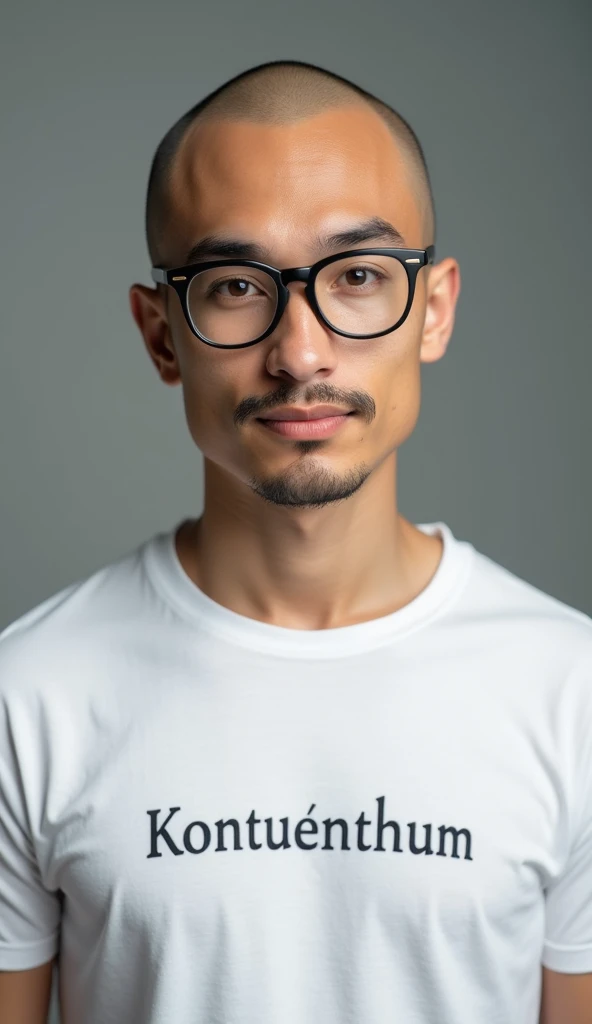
[{"x": 361, "y": 293}]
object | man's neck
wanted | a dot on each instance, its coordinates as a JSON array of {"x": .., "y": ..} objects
[{"x": 342, "y": 564}]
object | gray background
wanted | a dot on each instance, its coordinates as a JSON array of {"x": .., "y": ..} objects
[{"x": 95, "y": 452}]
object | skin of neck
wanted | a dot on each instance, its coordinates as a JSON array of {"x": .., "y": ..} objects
[{"x": 348, "y": 562}]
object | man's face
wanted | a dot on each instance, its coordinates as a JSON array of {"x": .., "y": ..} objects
[{"x": 282, "y": 187}]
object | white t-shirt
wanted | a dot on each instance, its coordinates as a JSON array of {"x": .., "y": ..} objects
[{"x": 221, "y": 821}]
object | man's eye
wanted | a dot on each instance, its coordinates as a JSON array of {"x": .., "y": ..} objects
[
  {"x": 357, "y": 276},
  {"x": 235, "y": 288}
]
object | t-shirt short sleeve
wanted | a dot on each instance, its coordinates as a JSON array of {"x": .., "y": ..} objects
[
  {"x": 29, "y": 912},
  {"x": 568, "y": 934}
]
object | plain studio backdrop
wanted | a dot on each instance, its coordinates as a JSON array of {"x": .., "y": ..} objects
[{"x": 95, "y": 452}]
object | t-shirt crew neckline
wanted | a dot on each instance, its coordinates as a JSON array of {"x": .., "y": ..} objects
[{"x": 178, "y": 589}]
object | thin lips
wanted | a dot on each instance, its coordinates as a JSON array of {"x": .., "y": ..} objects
[{"x": 317, "y": 412}]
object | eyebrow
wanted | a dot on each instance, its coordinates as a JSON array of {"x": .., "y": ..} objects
[{"x": 214, "y": 247}]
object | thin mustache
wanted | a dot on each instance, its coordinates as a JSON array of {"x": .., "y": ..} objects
[{"x": 358, "y": 401}]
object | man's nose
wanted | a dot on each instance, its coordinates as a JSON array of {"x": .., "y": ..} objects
[{"x": 301, "y": 345}]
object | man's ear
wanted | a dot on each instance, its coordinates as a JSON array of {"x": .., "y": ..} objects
[
  {"x": 442, "y": 290},
  {"x": 149, "y": 311}
]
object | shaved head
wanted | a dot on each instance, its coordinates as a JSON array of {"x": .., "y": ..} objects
[{"x": 280, "y": 93}]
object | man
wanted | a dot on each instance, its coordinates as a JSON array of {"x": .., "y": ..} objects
[{"x": 299, "y": 759}]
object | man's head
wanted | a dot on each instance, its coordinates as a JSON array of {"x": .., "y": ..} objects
[{"x": 281, "y": 158}]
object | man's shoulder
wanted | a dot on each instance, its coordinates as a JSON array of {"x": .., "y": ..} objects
[
  {"x": 499, "y": 595},
  {"x": 78, "y": 614}
]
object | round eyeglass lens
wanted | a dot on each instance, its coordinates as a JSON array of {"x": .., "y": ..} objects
[
  {"x": 232, "y": 305},
  {"x": 363, "y": 294}
]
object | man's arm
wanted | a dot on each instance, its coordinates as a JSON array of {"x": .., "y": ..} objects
[
  {"x": 566, "y": 998},
  {"x": 25, "y": 995}
]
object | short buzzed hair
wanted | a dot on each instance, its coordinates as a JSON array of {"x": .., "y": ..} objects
[{"x": 279, "y": 92}]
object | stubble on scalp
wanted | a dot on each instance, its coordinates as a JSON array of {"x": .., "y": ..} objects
[{"x": 280, "y": 93}]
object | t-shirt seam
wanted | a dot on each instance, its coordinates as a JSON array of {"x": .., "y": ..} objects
[
  {"x": 561, "y": 947},
  {"x": 23, "y": 946},
  {"x": 582, "y": 805},
  {"x": 164, "y": 591}
]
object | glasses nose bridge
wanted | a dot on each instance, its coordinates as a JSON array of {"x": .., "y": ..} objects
[
  {"x": 295, "y": 274},
  {"x": 302, "y": 274}
]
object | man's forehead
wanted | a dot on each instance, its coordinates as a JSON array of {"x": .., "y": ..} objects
[{"x": 311, "y": 177}]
